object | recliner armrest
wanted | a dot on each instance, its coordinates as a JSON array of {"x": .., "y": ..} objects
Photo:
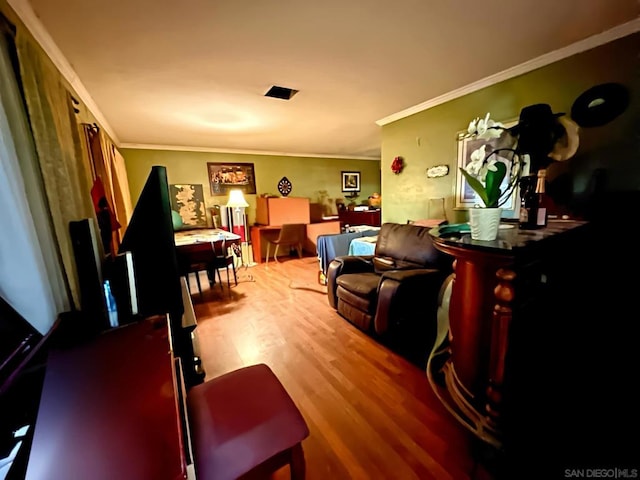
[
  {"x": 355, "y": 263},
  {"x": 343, "y": 265},
  {"x": 412, "y": 274},
  {"x": 417, "y": 288}
]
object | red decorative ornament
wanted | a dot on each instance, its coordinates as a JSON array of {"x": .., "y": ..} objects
[{"x": 397, "y": 165}]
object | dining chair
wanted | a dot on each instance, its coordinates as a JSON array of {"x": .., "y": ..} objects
[
  {"x": 223, "y": 259},
  {"x": 291, "y": 235},
  {"x": 195, "y": 259},
  {"x": 208, "y": 256}
]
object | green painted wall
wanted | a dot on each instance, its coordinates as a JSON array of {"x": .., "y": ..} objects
[
  {"x": 308, "y": 175},
  {"x": 429, "y": 138}
]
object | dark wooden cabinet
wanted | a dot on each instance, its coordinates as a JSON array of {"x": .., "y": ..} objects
[
  {"x": 366, "y": 217},
  {"x": 113, "y": 407},
  {"x": 495, "y": 284},
  {"x": 535, "y": 345}
]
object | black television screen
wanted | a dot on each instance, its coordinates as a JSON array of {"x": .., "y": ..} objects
[{"x": 150, "y": 238}]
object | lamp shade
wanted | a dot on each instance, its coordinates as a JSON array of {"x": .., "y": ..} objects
[{"x": 236, "y": 200}]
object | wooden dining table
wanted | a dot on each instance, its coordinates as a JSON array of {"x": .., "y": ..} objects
[
  {"x": 186, "y": 238},
  {"x": 189, "y": 243}
]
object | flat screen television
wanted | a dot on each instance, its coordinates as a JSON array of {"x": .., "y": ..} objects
[{"x": 150, "y": 239}]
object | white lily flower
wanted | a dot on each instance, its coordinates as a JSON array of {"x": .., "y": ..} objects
[
  {"x": 482, "y": 126},
  {"x": 490, "y": 129},
  {"x": 478, "y": 154},
  {"x": 476, "y": 159},
  {"x": 472, "y": 129}
]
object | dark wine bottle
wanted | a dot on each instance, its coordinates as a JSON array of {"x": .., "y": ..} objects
[
  {"x": 542, "y": 199},
  {"x": 528, "y": 203}
]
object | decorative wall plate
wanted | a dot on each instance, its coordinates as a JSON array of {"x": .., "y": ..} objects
[
  {"x": 284, "y": 186},
  {"x": 600, "y": 104},
  {"x": 438, "y": 171}
]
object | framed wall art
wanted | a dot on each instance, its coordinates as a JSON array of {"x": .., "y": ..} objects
[
  {"x": 188, "y": 201},
  {"x": 350, "y": 181},
  {"x": 226, "y": 176},
  {"x": 465, "y": 196}
]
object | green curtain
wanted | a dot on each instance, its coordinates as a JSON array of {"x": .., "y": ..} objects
[
  {"x": 30, "y": 265},
  {"x": 65, "y": 171}
]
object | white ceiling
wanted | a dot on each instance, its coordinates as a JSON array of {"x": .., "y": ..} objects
[{"x": 193, "y": 73}]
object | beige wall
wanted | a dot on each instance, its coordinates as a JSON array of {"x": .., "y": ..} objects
[
  {"x": 429, "y": 138},
  {"x": 308, "y": 175}
]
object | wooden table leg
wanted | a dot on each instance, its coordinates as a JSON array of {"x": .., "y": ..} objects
[{"x": 256, "y": 244}]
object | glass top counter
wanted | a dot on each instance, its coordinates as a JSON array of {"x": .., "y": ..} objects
[{"x": 510, "y": 237}]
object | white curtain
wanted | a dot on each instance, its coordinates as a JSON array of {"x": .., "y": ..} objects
[{"x": 31, "y": 277}]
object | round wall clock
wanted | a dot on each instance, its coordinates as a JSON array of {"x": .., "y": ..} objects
[{"x": 284, "y": 186}]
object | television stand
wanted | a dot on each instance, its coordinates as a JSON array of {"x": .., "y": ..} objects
[{"x": 113, "y": 408}]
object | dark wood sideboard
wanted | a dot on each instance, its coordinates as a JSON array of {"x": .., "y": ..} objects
[{"x": 364, "y": 217}]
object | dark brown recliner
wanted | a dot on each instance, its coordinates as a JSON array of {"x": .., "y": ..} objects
[{"x": 398, "y": 284}]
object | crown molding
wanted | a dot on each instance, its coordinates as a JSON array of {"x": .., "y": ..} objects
[
  {"x": 548, "y": 58},
  {"x": 145, "y": 146},
  {"x": 26, "y": 14}
]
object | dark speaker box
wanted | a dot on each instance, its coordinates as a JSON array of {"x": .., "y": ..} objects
[{"x": 88, "y": 257}]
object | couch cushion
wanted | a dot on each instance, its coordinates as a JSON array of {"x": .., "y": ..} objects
[
  {"x": 404, "y": 246},
  {"x": 364, "y": 285}
]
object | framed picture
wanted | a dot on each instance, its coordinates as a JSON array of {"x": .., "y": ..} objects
[
  {"x": 350, "y": 181},
  {"x": 226, "y": 176},
  {"x": 465, "y": 196},
  {"x": 188, "y": 201}
]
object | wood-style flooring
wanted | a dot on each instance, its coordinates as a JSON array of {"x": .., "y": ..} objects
[{"x": 371, "y": 413}]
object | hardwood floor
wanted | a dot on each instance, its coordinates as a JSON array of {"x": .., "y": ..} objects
[{"x": 371, "y": 412}]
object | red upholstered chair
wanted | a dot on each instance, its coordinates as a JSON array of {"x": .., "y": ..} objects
[{"x": 245, "y": 425}]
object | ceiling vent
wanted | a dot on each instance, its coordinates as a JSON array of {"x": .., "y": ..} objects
[{"x": 283, "y": 93}]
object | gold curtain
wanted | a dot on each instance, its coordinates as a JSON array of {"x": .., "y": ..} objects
[
  {"x": 121, "y": 193},
  {"x": 108, "y": 165},
  {"x": 66, "y": 175}
]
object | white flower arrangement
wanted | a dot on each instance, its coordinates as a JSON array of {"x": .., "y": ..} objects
[
  {"x": 485, "y": 128},
  {"x": 485, "y": 173}
]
